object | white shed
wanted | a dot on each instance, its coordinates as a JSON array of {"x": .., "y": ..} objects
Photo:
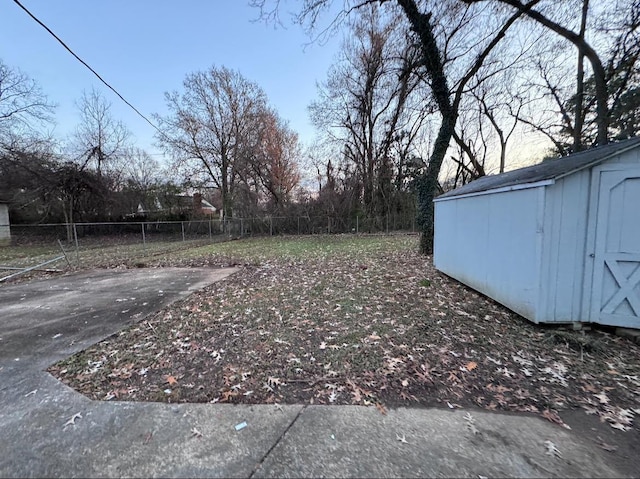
[
  {"x": 557, "y": 242},
  {"x": 5, "y": 228}
]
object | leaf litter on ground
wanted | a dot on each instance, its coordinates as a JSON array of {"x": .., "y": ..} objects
[{"x": 348, "y": 320}]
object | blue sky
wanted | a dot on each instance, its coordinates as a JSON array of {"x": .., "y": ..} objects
[{"x": 146, "y": 47}]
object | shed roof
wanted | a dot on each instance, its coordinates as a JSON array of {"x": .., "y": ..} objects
[{"x": 548, "y": 170}]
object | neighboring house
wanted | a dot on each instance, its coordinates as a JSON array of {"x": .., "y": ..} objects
[
  {"x": 555, "y": 242},
  {"x": 189, "y": 205},
  {"x": 203, "y": 207},
  {"x": 5, "y": 228}
]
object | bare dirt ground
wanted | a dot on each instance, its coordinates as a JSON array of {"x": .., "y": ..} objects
[{"x": 361, "y": 320}]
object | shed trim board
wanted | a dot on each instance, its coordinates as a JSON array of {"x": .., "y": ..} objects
[
  {"x": 540, "y": 248},
  {"x": 504, "y": 189},
  {"x": 562, "y": 249}
]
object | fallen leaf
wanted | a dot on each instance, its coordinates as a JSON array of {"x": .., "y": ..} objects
[
  {"x": 621, "y": 427},
  {"x": 171, "y": 380},
  {"x": 381, "y": 408},
  {"x": 274, "y": 381},
  {"x": 357, "y": 395},
  {"x": 227, "y": 395},
  {"x": 553, "y": 417},
  {"x": 471, "y": 423},
  {"x": 72, "y": 420},
  {"x": 552, "y": 450},
  {"x": 471, "y": 365}
]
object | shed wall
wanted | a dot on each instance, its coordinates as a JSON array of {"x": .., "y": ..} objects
[
  {"x": 492, "y": 243},
  {"x": 5, "y": 233},
  {"x": 564, "y": 252}
]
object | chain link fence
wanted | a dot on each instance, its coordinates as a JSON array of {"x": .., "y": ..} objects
[
  {"x": 80, "y": 244},
  {"x": 150, "y": 232}
]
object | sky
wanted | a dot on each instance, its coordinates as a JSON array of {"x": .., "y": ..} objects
[{"x": 144, "y": 48}]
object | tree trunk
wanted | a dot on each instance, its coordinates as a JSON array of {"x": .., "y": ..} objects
[
  {"x": 578, "y": 123},
  {"x": 224, "y": 191},
  {"x": 432, "y": 61},
  {"x": 427, "y": 184}
]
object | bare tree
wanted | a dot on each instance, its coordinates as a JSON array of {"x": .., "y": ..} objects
[
  {"x": 584, "y": 49},
  {"x": 213, "y": 131},
  {"x": 99, "y": 138},
  {"x": 42, "y": 185},
  {"x": 141, "y": 170},
  {"x": 365, "y": 106},
  {"x": 437, "y": 27},
  {"x": 560, "y": 98},
  {"x": 23, "y": 106},
  {"x": 274, "y": 162}
]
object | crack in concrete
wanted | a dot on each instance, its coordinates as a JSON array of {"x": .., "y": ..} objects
[{"x": 284, "y": 433}]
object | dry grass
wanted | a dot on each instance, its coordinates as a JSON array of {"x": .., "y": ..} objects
[{"x": 353, "y": 320}]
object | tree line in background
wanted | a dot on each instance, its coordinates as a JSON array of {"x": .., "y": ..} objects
[
  {"x": 450, "y": 82},
  {"x": 423, "y": 96},
  {"x": 227, "y": 146}
]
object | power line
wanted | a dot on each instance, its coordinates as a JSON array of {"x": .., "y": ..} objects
[{"x": 17, "y": 2}]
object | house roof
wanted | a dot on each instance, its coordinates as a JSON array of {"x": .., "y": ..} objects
[{"x": 548, "y": 170}]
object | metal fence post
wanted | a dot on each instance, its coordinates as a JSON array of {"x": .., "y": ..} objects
[
  {"x": 144, "y": 238},
  {"x": 182, "y": 225},
  {"x": 209, "y": 228},
  {"x": 357, "y": 224},
  {"x": 241, "y": 227},
  {"x": 75, "y": 238}
]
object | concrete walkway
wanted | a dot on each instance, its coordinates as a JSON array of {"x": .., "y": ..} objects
[{"x": 47, "y": 429}]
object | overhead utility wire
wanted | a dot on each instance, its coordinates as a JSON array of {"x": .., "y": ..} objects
[{"x": 86, "y": 65}]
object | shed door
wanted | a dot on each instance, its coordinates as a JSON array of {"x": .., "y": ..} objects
[{"x": 615, "y": 296}]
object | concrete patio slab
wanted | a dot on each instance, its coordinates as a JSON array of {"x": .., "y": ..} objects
[{"x": 47, "y": 429}]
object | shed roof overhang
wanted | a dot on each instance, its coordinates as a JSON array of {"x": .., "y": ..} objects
[{"x": 537, "y": 175}]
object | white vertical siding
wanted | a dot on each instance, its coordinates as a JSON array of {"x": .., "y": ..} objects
[
  {"x": 532, "y": 249},
  {"x": 566, "y": 216},
  {"x": 489, "y": 242},
  {"x": 5, "y": 234}
]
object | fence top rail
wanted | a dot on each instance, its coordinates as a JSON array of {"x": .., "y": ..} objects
[
  {"x": 235, "y": 218},
  {"x": 108, "y": 223}
]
